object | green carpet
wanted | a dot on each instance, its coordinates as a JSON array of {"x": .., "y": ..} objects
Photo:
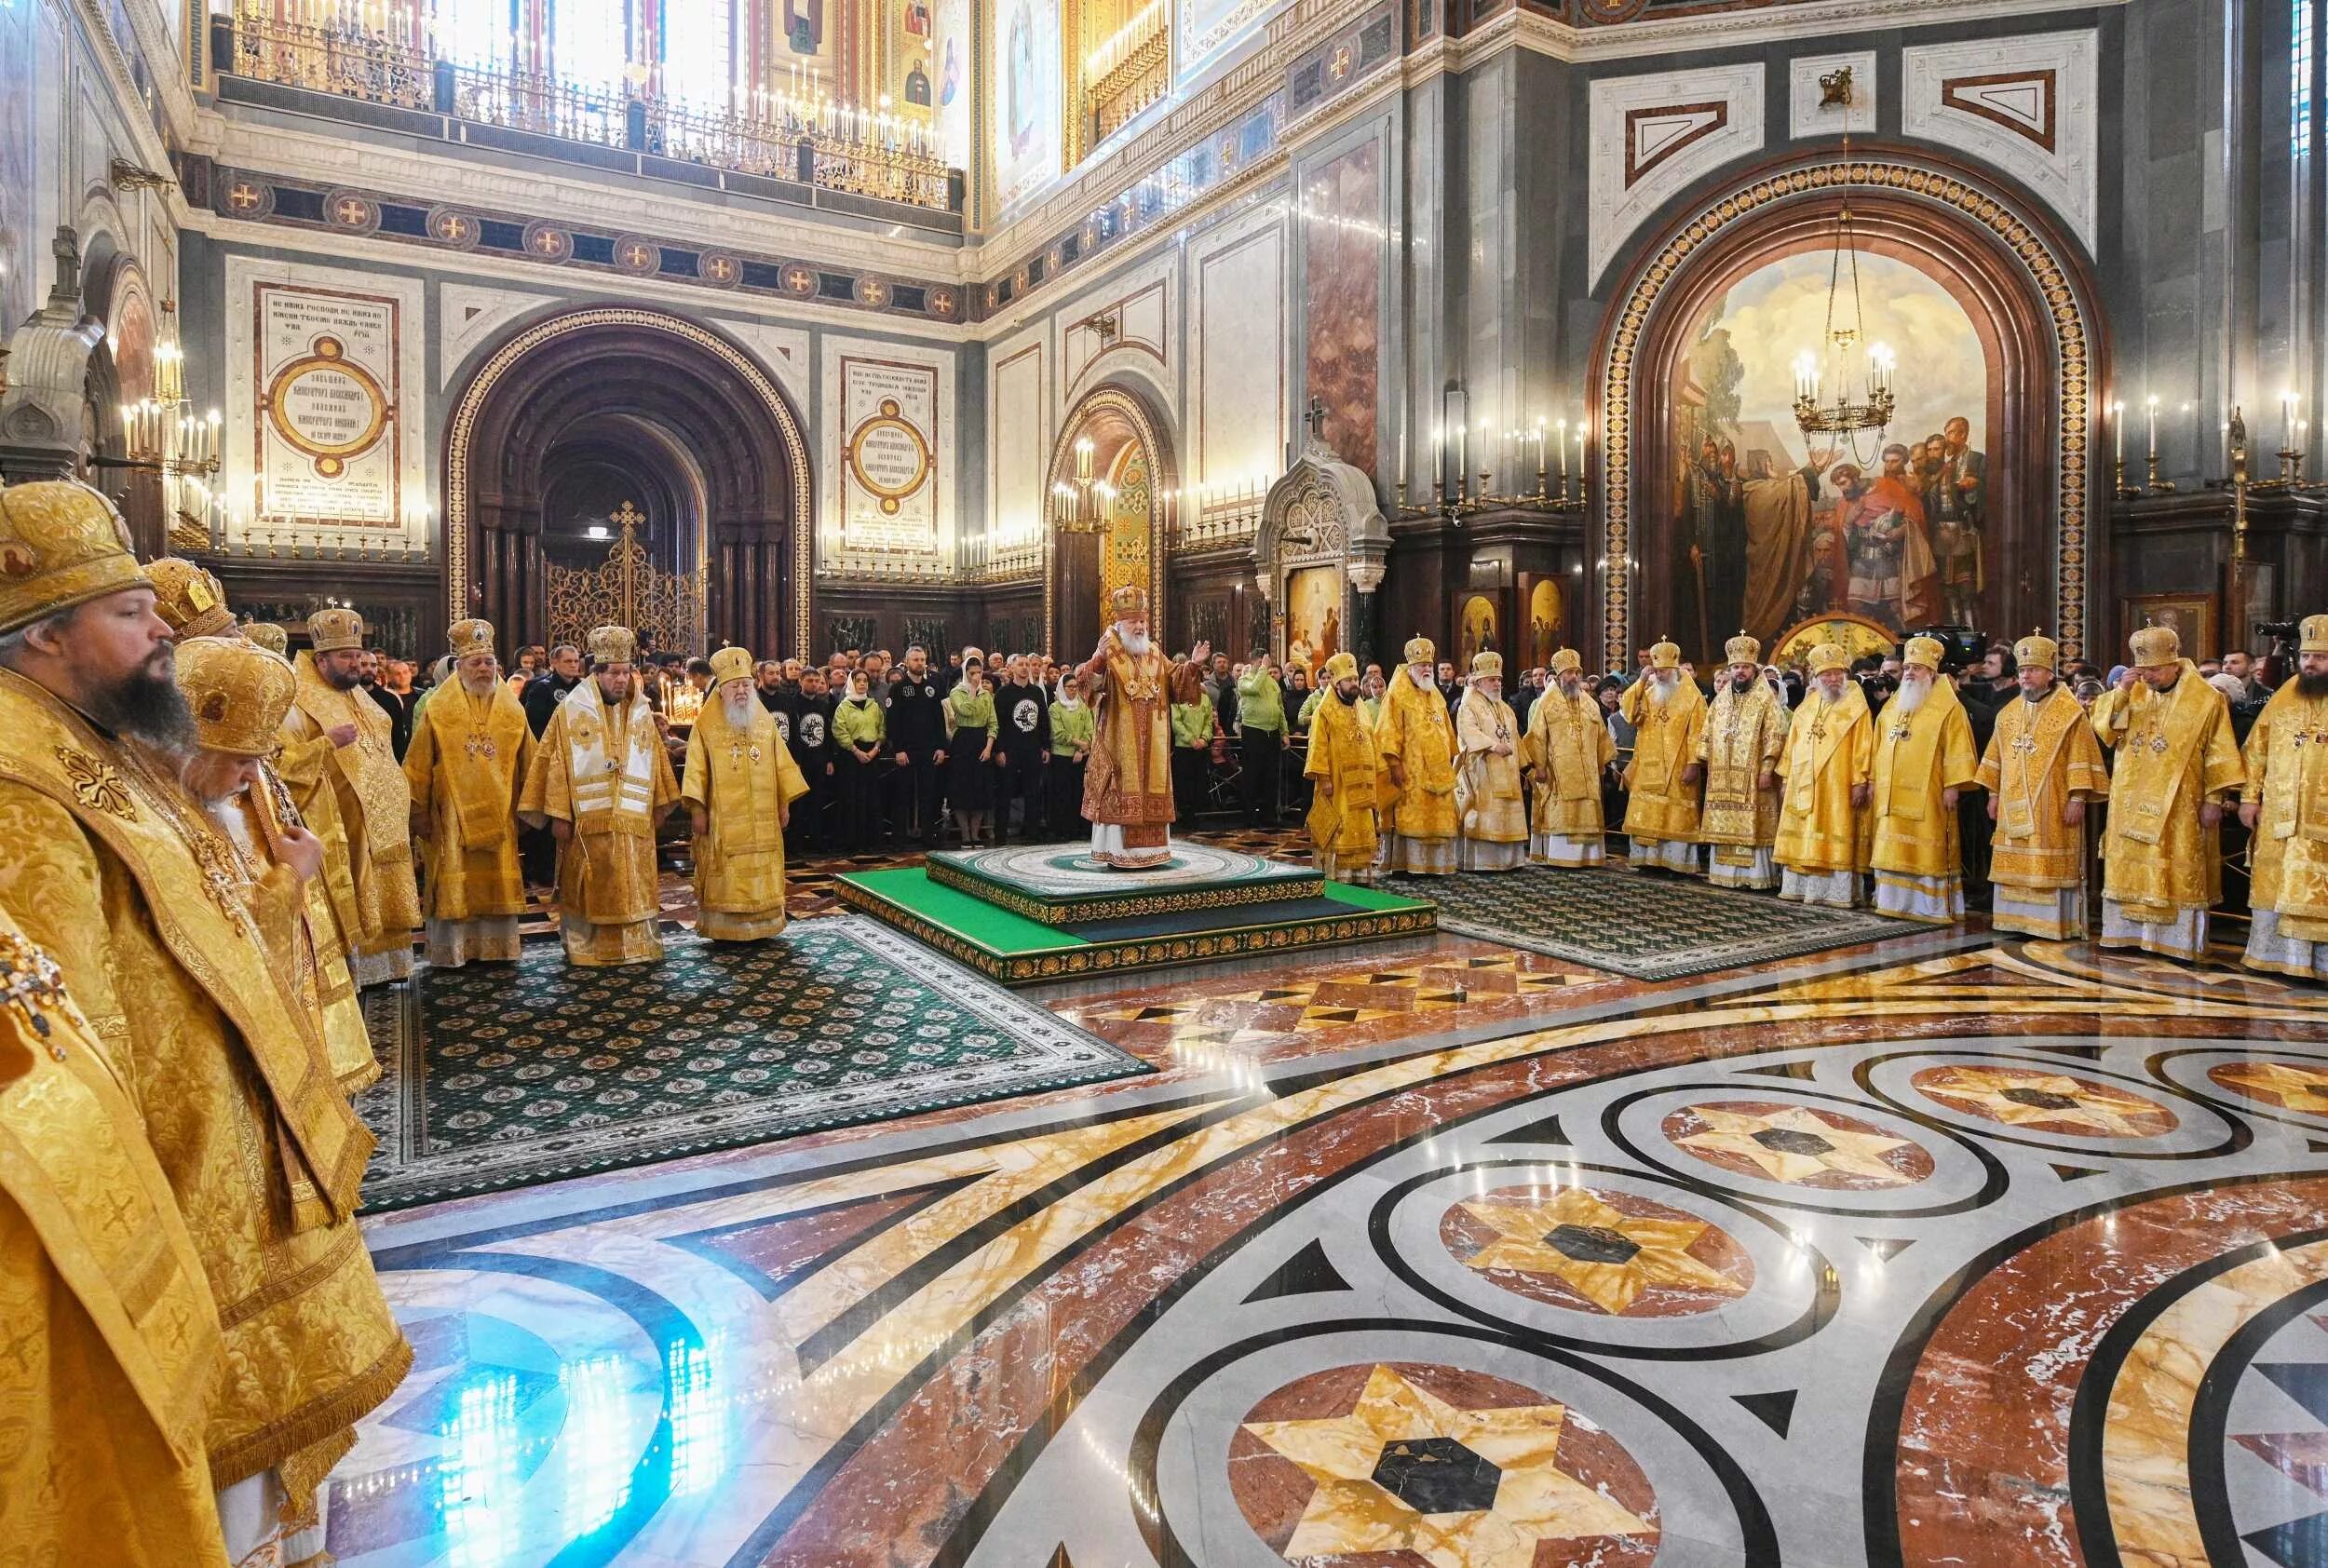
[
  {"x": 1018, "y": 951},
  {"x": 1650, "y": 927},
  {"x": 502, "y": 1076}
]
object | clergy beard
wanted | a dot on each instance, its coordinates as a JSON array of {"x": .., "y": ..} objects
[
  {"x": 1135, "y": 643},
  {"x": 479, "y": 685},
  {"x": 1912, "y": 695},
  {"x": 1661, "y": 690},
  {"x": 145, "y": 706},
  {"x": 2312, "y": 686},
  {"x": 1427, "y": 680},
  {"x": 739, "y": 709},
  {"x": 1351, "y": 697},
  {"x": 339, "y": 679},
  {"x": 2033, "y": 699}
]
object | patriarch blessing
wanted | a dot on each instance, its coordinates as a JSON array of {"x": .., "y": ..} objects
[
  {"x": 601, "y": 782},
  {"x": 742, "y": 782},
  {"x": 471, "y": 752},
  {"x": 115, "y": 870},
  {"x": 1128, "y": 777}
]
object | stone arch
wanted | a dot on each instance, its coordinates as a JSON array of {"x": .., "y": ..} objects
[{"x": 1121, "y": 422}]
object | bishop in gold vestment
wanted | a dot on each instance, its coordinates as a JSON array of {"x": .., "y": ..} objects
[
  {"x": 471, "y": 752},
  {"x": 1128, "y": 778},
  {"x": 2161, "y": 866},
  {"x": 111, "y": 1335},
  {"x": 1488, "y": 802},
  {"x": 1567, "y": 747},
  {"x": 1924, "y": 758},
  {"x": 742, "y": 782},
  {"x": 111, "y": 867},
  {"x": 1827, "y": 774},
  {"x": 2285, "y": 803},
  {"x": 601, "y": 782},
  {"x": 1745, "y": 733},
  {"x": 1342, "y": 761},
  {"x": 1667, "y": 715},
  {"x": 262, "y": 819},
  {"x": 2041, "y": 768},
  {"x": 238, "y": 692},
  {"x": 1415, "y": 793},
  {"x": 338, "y": 739}
]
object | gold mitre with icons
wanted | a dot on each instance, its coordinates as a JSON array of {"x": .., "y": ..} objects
[
  {"x": 1566, "y": 661},
  {"x": 612, "y": 645},
  {"x": 1924, "y": 652},
  {"x": 1829, "y": 655},
  {"x": 61, "y": 544},
  {"x": 2155, "y": 645},
  {"x": 190, "y": 599},
  {"x": 730, "y": 664},
  {"x": 1419, "y": 650},
  {"x": 1341, "y": 667},
  {"x": 240, "y": 694},
  {"x": 1664, "y": 654},
  {"x": 268, "y": 635},
  {"x": 1741, "y": 649},
  {"x": 2314, "y": 632},
  {"x": 337, "y": 628},
  {"x": 471, "y": 637},
  {"x": 1128, "y": 601},
  {"x": 1489, "y": 663},
  {"x": 2035, "y": 650}
]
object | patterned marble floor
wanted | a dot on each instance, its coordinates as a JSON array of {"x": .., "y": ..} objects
[{"x": 1941, "y": 1249}]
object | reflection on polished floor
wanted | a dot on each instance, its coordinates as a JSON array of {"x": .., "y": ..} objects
[{"x": 1938, "y": 1249}]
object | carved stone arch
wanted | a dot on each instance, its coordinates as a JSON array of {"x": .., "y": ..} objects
[
  {"x": 1116, "y": 416},
  {"x": 750, "y": 460},
  {"x": 2030, "y": 286},
  {"x": 1322, "y": 513}
]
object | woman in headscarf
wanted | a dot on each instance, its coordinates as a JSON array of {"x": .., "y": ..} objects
[{"x": 970, "y": 711}]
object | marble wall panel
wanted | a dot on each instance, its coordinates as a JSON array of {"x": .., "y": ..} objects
[
  {"x": 1018, "y": 437},
  {"x": 2027, "y": 103},
  {"x": 468, "y": 317},
  {"x": 1654, "y": 136},
  {"x": 1236, "y": 371}
]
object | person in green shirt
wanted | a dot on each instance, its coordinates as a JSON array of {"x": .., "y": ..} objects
[
  {"x": 859, "y": 728},
  {"x": 1070, "y": 731},
  {"x": 970, "y": 711},
  {"x": 1193, "y": 732},
  {"x": 1260, "y": 734}
]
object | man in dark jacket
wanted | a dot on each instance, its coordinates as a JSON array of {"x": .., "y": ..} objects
[
  {"x": 810, "y": 738},
  {"x": 917, "y": 745},
  {"x": 1023, "y": 720}
]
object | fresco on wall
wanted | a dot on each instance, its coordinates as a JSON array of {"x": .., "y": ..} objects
[
  {"x": 1476, "y": 632},
  {"x": 1772, "y": 529},
  {"x": 1025, "y": 50},
  {"x": 1313, "y": 615},
  {"x": 1343, "y": 243},
  {"x": 1546, "y": 621},
  {"x": 951, "y": 98}
]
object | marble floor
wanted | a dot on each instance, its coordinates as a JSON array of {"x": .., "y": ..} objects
[{"x": 1941, "y": 1249}]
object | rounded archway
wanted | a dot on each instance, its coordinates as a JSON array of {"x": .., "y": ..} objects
[
  {"x": 573, "y": 417},
  {"x": 1820, "y": 531},
  {"x": 1128, "y": 452}
]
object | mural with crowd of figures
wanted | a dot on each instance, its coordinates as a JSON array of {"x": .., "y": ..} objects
[{"x": 1885, "y": 525}]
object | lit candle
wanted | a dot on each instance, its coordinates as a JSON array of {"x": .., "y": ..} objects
[
  {"x": 1564, "y": 453},
  {"x": 2117, "y": 424},
  {"x": 2154, "y": 427}
]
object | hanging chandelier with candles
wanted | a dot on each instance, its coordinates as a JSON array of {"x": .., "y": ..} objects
[
  {"x": 1825, "y": 378},
  {"x": 1083, "y": 505}
]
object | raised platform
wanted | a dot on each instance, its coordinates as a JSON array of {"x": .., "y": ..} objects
[
  {"x": 1061, "y": 884},
  {"x": 1187, "y": 924}
]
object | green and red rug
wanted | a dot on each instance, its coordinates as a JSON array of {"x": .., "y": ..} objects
[{"x": 505, "y": 1075}]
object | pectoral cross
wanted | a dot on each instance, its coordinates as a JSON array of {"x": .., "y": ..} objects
[
  {"x": 2027, "y": 745},
  {"x": 1899, "y": 732}
]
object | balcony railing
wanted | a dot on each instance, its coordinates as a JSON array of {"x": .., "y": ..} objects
[
  {"x": 832, "y": 149},
  {"x": 1139, "y": 77}
]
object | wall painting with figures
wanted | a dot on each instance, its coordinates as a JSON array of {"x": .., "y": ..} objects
[{"x": 1881, "y": 535}]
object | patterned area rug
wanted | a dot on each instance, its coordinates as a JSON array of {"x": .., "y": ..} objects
[
  {"x": 502, "y": 1076},
  {"x": 1647, "y": 926}
]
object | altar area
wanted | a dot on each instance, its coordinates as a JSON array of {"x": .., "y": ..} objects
[{"x": 1024, "y": 914}]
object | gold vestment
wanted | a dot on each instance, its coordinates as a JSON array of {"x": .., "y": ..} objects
[
  {"x": 1488, "y": 802},
  {"x": 1414, "y": 732},
  {"x": 109, "y": 1341},
  {"x": 2287, "y": 774},
  {"x": 2040, "y": 756},
  {"x": 1341, "y": 832},
  {"x": 1128, "y": 777},
  {"x": 112, "y": 868},
  {"x": 374, "y": 808},
  {"x": 1917, "y": 756},
  {"x": 603, "y": 769},
  {"x": 1660, "y": 805},
  {"x": 745, "y": 779},
  {"x": 469, "y": 758},
  {"x": 1567, "y": 747},
  {"x": 1744, "y": 738},
  {"x": 1830, "y": 752},
  {"x": 2174, "y": 752}
]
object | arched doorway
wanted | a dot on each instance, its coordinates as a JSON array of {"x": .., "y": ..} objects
[
  {"x": 1128, "y": 456},
  {"x": 1703, "y": 525},
  {"x": 575, "y": 416}
]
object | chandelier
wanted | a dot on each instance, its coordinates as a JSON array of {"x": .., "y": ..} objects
[
  {"x": 1841, "y": 360},
  {"x": 1083, "y": 505}
]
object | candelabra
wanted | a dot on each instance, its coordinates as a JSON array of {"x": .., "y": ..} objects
[
  {"x": 1551, "y": 495},
  {"x": 163, "y": 436}
]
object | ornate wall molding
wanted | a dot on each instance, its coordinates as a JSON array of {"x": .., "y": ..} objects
[
  {"x": 2028, "y": 254},
  {"x": 1654, "y": 136},
  {"x": 461, "y": 429},
  {"x": 2027, "y": 103}
]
